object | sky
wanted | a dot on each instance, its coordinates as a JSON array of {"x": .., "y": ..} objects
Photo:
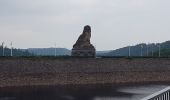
[{"x": 114, "y": 23}]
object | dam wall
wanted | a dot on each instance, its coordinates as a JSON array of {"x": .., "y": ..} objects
[{"x": 82, "y": 71}]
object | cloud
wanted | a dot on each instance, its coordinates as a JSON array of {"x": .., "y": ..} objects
[
  {"x": 118, "y": 21},
  {"x": 85, "y": 3}
]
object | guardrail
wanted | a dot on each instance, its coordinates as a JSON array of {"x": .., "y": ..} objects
[{"x": 160, "y": 95}]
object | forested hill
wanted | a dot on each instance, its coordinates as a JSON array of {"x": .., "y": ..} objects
[
  {"x": 15, "y": 52},
  {"x": 49, "y": 51},
  {"x": 152, "y": 49},
  {"x": 136, "y": 50}
]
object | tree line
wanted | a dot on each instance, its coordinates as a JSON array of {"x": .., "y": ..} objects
[{"x": 5, "y": 51}]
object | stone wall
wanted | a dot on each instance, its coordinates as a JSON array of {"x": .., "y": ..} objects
[{"x": 58, "y": 71}]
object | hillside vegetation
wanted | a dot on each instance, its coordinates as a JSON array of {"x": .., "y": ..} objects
[
  {"x": 15, "y": 52},
  {"x": 146, "y": 49}
]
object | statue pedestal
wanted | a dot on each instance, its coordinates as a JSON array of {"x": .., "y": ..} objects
[{"x": 84, "y": 52}]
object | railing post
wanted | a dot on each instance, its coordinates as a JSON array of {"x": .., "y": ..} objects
[
  {"x": 168, "y": 95},
  {"x": 159, "y": 98}
]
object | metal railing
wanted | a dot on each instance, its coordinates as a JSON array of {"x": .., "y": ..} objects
[{"x": 160, "y": 95}]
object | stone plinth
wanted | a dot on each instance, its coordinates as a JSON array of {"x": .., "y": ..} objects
[{"x": 83, "y": 52}]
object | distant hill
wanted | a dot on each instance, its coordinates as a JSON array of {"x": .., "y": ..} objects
[
  {"x": 15, "y": 52},
  {"x": 101, "y": 53},
  {"x": 49, "y": 51},
  {"x": 59, "y": 51},
  {"x": 152, "y": 49},
  {"x": 163, "y": 53}
]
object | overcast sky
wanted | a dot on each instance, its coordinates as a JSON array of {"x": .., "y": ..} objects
[{"x": 115, "y": 23}]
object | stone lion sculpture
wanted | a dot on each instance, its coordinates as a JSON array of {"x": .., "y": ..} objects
[
  {"x": 83, "y": 47},
  {"x": 84, "y": 39}
]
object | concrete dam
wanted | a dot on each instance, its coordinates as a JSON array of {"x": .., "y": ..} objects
[{"x": 43, "y": 71}]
